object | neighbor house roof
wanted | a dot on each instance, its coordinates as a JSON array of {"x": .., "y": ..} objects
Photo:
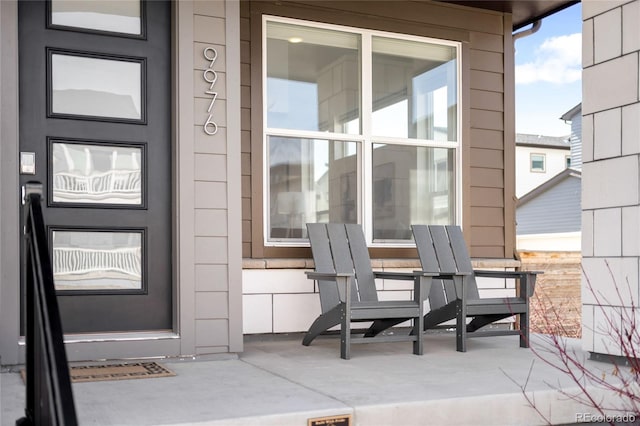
[
  {"x": 556, "y": 142},
  {"x": 568, "y": 116},
  {"x": 524, "y": 12},
  {"x": 554, "y": 181}
]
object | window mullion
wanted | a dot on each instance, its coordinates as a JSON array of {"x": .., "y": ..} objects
[{"x": 366, "y": 163}]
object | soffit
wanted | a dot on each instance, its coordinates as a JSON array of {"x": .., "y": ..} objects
[{"x": 524, "y": 12}]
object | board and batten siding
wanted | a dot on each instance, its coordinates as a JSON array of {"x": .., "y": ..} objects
[
  {"x": 209, "y": 227},
  {"x": 487, "y": 126}
]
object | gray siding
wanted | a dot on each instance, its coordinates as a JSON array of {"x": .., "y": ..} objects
[
  {"x": 576, "y": 142},
  {"x": 555, "y": 210}
]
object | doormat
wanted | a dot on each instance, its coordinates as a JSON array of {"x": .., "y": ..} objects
[{"x": 123, "y": 371}]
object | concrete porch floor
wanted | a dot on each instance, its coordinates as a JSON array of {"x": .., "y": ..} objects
[{"x": 277, "y": 381}]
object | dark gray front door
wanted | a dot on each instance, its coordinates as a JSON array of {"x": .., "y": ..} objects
[{"x": 95, "y": 94}]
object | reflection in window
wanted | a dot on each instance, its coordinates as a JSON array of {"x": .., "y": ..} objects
[
  {"x": 310, "y": 181},
  {"x": 364, "y": 88},
  {"x": 122, "y": 16},
  {"x": 414, "y": 90},
  {"x": 97, "y": 260},
  {"x": 411, "y": 185},
  {"x": 96, "y": 174},
  {"x": 89, "y": 86},
  {"x": 312, "y": 78}
]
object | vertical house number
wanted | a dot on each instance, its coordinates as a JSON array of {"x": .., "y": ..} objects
[{"x": 210, "y": 76}]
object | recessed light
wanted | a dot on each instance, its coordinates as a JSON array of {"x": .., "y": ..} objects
[{"x": 295, "y": 40}]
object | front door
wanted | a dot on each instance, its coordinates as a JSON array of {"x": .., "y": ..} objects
[{"x": 95, "y": 96}]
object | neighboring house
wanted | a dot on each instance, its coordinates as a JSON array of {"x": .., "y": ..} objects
[
  {"x": 228, "y": 111},
  {"x": 574, "y": 116},
  {"x": 538, "y": 159},
  {"x": 548, "y": 217}
]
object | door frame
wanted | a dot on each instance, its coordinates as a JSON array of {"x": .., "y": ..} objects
[
  {"x": 79, "y": 347},
  {"x": 182, "y": 340}
]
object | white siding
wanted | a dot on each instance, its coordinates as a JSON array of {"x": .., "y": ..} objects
[{"x": 526, "y": 180}]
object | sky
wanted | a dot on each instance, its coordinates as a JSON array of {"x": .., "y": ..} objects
[{"x": 548, "y": 74}]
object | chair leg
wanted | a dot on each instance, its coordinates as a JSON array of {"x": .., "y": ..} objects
[
  {"x": 418, "y": 331},
  {"x": 440, "y": 315},
  {"x": 345, "y": 336},
  {"x": 461, "y": 316},
  {"x": 323, "y": 323},
  {"x": 379, "y": 326},
  {"x": 461, "y": 327},
  {"x": 480, "y": 321},
  {"x": 524, "y": 330}
]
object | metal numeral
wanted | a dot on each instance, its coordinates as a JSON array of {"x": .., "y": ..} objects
[{"x": 210, "y": 76}]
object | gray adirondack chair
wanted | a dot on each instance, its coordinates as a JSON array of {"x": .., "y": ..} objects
[
  {"x": 443, "y": 249},
  {"x": 346, "y": 284}
]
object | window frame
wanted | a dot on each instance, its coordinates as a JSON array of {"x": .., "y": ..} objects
[
  {"x": 141, "y": 36},
  {"x": 365, "y": 139},
  {"x": 544, "y": 162}
]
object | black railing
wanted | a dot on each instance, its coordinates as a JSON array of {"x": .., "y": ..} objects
[{"x": 49, "y": 397}]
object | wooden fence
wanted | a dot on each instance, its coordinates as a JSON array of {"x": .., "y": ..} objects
[{"x": 556, "y": 307}]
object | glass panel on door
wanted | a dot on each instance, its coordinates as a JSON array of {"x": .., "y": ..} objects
[
  {"x": 96, "y": 87},
  {"x": 101, "y": 144},
  {"x": 122, "y": 16},
  {"x": 96, "y": 174},
  {"x": 97, "y": 260}
]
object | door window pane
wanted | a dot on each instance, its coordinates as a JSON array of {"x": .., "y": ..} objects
[
  {"x": 312, "y": 79},
  {"x": 122, "y": 16},
  {"x": 411, "y": 185},
  {"x": 97, "y": 260},
  {"x": 96, "y": 174},
  {"x": 90, "y": 86},
  {"x": 310, "y": 180},
  {"x": 414, "y": 90}
]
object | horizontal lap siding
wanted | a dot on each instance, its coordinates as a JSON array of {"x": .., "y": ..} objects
[
  {"x": 211, "y": 224},
  {"x": 245, "y": 90},
  {"x": 483, "y": 31},
  {"x": 487, "y": 156}
]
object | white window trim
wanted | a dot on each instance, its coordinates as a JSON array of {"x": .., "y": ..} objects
[
  {"x": 364, "y": 167},
  {"x": 544, "y": 162}
]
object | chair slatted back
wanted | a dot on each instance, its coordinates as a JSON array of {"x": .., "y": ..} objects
[
  {"x": 362, "y": 263},
  {"x": 323, "y": 260},
  {"x": 443, "y": 249},
  {"x": 463, "y": 260},
  {"x": 341, "y": 248}
]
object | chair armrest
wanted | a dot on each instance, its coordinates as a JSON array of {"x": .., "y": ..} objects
[
  {"x": 342, "y": 280},
  {"x": 443, "y": 275},
  {"x": 527, "y": 279},
  {"x": 327, "y": 276},
  {"x": 505, "y": 274},
  {"x": 402, "y": 275}
]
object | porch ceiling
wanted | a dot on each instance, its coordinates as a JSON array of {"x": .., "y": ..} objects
[{"x": 524, "y": 12}]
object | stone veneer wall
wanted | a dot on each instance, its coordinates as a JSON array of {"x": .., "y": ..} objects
[{"x": 610, "y": 171}]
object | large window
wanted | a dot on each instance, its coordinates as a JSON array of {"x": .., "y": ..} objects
[{"x": 361, "y": 127}]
